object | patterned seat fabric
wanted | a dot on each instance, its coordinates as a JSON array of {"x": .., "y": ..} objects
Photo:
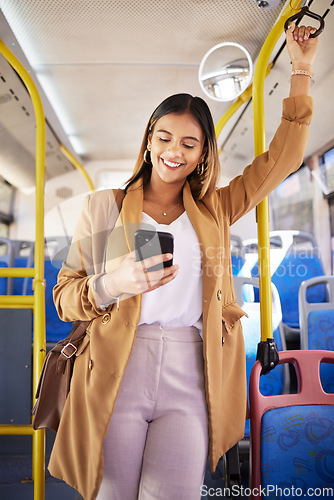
[{"x": 297, "y": 449}]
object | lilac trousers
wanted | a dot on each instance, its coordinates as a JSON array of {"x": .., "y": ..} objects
[{"x": 156, "y": 447}]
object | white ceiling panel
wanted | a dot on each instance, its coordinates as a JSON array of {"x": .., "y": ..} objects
[
  {"x": 110, "y": 107},
  {"x": 106, "y": 31}
]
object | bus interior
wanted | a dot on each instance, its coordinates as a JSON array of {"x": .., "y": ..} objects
[{"x": 100, "y": 68}]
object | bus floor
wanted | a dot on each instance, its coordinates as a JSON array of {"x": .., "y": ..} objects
[{"x": 16, "y": 470}]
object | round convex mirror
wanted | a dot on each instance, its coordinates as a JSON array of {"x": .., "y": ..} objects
[{"x": 225, "y": 71}]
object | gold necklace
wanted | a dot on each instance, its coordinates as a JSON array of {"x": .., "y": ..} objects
[{"x": 165, "y": 213}]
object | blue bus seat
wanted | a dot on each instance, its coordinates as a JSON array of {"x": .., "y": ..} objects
[
  {"x": 294, "y": 257},
  {"x": 3, "y": 280},
  {"x": 6, "y": 260},
  {"x": 20, "y": 253},
  {"x": 317, "y": 322},
  {"x": 23, "y": 252},
  {"x": 292, "y": 434},
  {"x": 237, "y": 264},
  {"x": 56, "y": 249},
  {"x": 56, "y": 329},
  {"x": 276, "y": 381}
]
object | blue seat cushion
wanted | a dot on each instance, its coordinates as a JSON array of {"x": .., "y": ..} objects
[{"x": 297, "y": 449}]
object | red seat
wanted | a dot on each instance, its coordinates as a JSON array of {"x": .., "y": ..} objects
[{"x": 314, "y": 405}]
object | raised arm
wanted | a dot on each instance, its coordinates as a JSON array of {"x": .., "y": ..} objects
[
  {"x": 302, "y": 50},
  {"x": 286, "y": 151}
]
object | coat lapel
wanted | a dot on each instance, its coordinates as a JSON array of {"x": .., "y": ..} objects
[{"x": 131, "y": 212}]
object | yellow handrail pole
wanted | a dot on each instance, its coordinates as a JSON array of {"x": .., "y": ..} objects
[
  {"x": 244, "y": 97},
  {"x": 17, "y": 301},
  {"x": 260, "y": 147},
  {"x": 16, "y": 430},
  {"x": 17, "y": 272},
  {"x": 77, "y": 165},
  {"x": 39, "y": 284}
]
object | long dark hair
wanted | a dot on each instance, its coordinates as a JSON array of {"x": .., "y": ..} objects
[{"x": 200, "y": 184}]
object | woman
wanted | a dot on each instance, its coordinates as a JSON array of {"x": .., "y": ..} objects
[{"x": 160, "y": 380}]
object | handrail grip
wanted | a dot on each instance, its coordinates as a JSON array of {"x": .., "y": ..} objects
[{"x": 306, "y": 12}]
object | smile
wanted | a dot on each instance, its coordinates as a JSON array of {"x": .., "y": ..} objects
[{"x": 171, "y": 164}]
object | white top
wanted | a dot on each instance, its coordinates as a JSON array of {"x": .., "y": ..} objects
[{"x": 178, "y": 303}]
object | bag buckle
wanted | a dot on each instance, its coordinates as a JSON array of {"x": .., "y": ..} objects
[{"x": 72, "y": 351}]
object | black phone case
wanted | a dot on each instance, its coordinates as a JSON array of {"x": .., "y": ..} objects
[{"x": 149, "y": 243}]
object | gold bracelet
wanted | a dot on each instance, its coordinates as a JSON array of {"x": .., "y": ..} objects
[{"x": 302, "y": 72}]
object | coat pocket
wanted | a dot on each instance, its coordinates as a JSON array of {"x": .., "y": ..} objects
[{"x": 231, "y": 313}]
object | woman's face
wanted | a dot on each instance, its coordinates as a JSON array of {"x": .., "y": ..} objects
[{"x": 177, "y": 146}]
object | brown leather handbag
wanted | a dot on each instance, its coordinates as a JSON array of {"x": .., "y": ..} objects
[{"x": 55, "y": 379}]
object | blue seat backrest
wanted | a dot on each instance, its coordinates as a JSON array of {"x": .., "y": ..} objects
[
  {"x": 297, "y": 449},
  {"x": 288, "y": 276},
  {"x": 56, "y": 329},
  {"x": 292, "y": 271},
  {"x": 320, "y": 326},
  {"x": 3, "y": 280},
  {"x": 237, "y": 264},
  {"x": 18, "y": 283}
]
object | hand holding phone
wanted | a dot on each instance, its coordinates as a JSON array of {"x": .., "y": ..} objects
[
  {"x": 131, "y": 277},
  {"x": 150, "y": 243}
]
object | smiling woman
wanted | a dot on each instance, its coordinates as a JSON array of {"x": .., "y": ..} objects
[
  {"x": 166, "y": 125},
  {"x": 163, "y": 379}
]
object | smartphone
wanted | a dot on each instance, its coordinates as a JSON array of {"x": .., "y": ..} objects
[{"x": 150, "y": 243}]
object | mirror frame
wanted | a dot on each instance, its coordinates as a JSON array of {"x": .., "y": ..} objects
[{"x": 218, "y": 46}]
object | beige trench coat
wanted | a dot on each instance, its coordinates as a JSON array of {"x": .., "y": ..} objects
[{"x": 77, "y": 456}]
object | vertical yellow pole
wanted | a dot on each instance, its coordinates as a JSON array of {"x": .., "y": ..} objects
[
  {"x": 39, "y": 284},
  {"x": 260, "y": 147}
]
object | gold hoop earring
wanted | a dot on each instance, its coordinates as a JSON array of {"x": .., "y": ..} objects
[
  {"x": 145, "y": 157},
  {"x": 200, "y": 168}
]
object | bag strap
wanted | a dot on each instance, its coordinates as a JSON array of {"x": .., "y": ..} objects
[{"x": 69, "y": 346}]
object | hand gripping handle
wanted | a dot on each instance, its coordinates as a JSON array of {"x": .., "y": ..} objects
[{"x": 306, "y": 12}]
